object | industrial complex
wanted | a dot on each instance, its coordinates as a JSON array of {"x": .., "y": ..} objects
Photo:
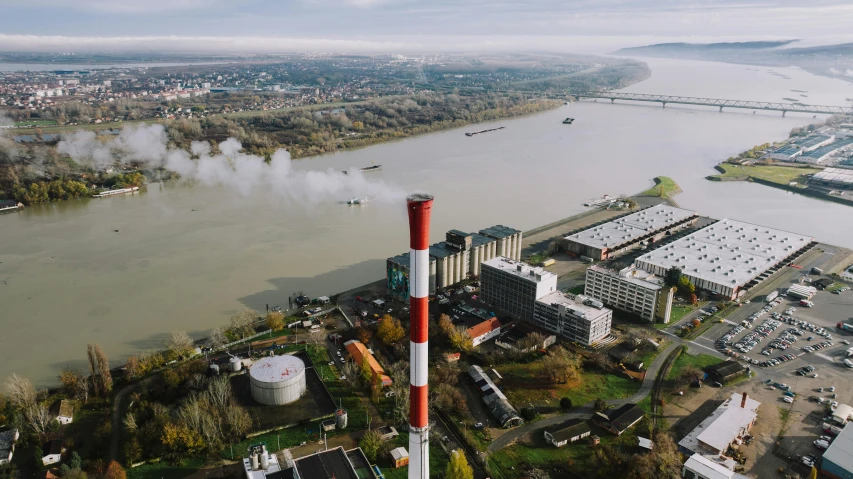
[
  {"x": 620, "y": 235},
  {"x": 631, "y": 290},
  {"x": 726, "y": 256}
]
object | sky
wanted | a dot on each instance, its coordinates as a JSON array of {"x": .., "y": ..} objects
[{"x": 267, "y": 26}]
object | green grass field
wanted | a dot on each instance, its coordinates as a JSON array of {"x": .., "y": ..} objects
[
  {"x": 781, "y": 174},
  {"x": 664, "y": 188},
  {"x": 521, "y": 386},
  {"x": 164, "y": 470},
  {"x": 679, "y": 312},
  {"x": 700, "y": 361}
]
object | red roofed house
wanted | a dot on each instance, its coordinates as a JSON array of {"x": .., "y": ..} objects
[
  {"x": 484, "y": 331},
  {"x": 359, "y": 352}
]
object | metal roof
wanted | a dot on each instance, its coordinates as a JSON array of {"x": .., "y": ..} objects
[
  {"x": 499, "y": 231},
  {"x": 840, "y": 452},
  {"x": 628, "y": 228},
  {"x": 511, "y": 266},
  {"x": 276, "y": 368},
  {"x": 723, "y": 425}
]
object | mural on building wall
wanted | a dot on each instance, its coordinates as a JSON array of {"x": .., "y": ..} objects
[{"x": 398, "y": 281}]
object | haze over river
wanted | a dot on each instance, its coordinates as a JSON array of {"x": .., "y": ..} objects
[{"x": 186, "y": 258}]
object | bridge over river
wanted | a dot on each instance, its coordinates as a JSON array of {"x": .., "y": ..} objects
[{"x": 716, "y": 102}]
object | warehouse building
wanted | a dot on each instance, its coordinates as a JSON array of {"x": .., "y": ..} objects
[
  {"x": 819, "y": 155},
  {"x": 359, "y": 353},
  {"x": 631, "y": 290},
  {"x": 623, "y": 234},
  {"x": 728, "y": 423},
  {"x": 833, "y": 177},
  {"x": 577, "y": 318},
  {"x": 837, "y": 461},
  {"x": 726, "y": 256},
  {"x": 514, "y": 287},
  {"x": 456, "y": 258},
  {"x": 495, "y": 400}
]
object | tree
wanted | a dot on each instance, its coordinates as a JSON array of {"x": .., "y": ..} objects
[
  {"x": 458, "y": 467},
  {"x": 217, "y": 338},
  {"x": 528, "y": 413},
  {"x": 390, "y": 330},
  {"x": 663, "y": 461},
  {"x": 26, "y": 400},
  {"x": 672, "y": 276},
  {"x": 75, "y": 383},
  {"x": 115, "y": 471},
  {"x": 561, "y": 365},
  {"x": 181, "y": 441},
  {"x": 450, "y": 400},
  {"x": 599, "y": 405},
  {"x": 566, "y": 403},
  {"x": 370, "y": 443},
  {"x": 99, "y": 369},
  {"x": 133, "y": 367},
  {"x": 243, "y": 322},
  {"x": 365, "y": 371},
  {"x": 363, "y": 334},
  {"x": 275, "y": 321},
  {"x": 179, "y": 344}
]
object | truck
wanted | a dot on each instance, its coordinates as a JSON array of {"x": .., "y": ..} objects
[
  {"x": 806, "y": 303},
  {"x": 845, "y": 327},
  {"x": 816, "y": 270},
  {"x": 773, "y": 295}
]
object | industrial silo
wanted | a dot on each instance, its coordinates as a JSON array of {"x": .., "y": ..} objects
[
  {"x": 277, "y": 380},
  {"x": 341, "y": 418},
  {"x": 236, "y": 363}
]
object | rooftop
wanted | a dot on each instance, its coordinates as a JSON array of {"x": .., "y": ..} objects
[
  {"x": 835, "y": 175},
  {"x": 708, "y": 468},
  {"x": 485, "y": 327},
  {"x": 273, "y": 468},
  {"x": 7, "y": 439},
  {"x": 66, "y": 409},
  {"x": 520, "y": 269},
  {"x": 723, "y": 425},
  {"x": 589, "y": 311},
  {"x": 276, "y": 368},
  {"x": 359, "y": 351},
  {"x": 634, "y": 275},
  {"x": 624, "y": 416},
  {"x": 728, "y": 252},
  {"x": 840, "y": 452},
  {"x": 629, "y": 228},
  {"x": 568, "y": 429},
  {"x": 329, "y": 464},
  {"x": 499, "y": 231}
]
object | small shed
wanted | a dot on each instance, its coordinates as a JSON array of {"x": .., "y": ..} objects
[
  {"x": 400, "y": 456},
  {"x": 323, "y": 300},
  {"x": 328, "y": 425},
  {"x": 645, "y": 444},
  {"x": 51, "y": 452},
  {"x": 726, "y": 371},
  {"x": 378, "y": 303},
  {"x": 387, "y": 432}
]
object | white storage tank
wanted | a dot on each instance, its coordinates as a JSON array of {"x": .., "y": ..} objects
[
  {"x": 236, "y": 364},
  {"x": 277, "y": 380}
]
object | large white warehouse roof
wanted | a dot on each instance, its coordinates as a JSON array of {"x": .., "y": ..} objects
[
  {"x": 631, "y": 227},
  {"x": 730, "y": 253}
]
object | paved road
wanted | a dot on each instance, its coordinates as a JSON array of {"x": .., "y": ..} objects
[{"x": 586, "y": 410}]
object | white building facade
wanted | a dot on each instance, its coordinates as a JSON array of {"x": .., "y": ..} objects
[
  {"x": 631, "y": 290},
  {"x": 514, "y": 286},
  {"x": 576, "y": 318}
]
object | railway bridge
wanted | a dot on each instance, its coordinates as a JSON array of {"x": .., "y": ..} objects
[{"x": 720, "y": 103}]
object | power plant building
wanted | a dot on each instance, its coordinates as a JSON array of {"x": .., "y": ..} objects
[
  {"x": 577, "y": 318},
  {"x": 514, "y": 287},
  {"x": 628, "y": 232},
  {"x": 455, "y": 259},
  {"x": 277, "y": 380},
  {"x": 631, "y": 290},
  {"x": 726, "y": 257}
]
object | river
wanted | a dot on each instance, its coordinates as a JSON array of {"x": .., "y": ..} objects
[{"x": 125, "y": 271}]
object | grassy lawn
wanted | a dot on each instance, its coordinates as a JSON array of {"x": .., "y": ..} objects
[
  {"x": 835, "y": 286},
  {"x": 782, "y": 174},
  {"x": 36, "y": 123},
  {"x": 700, "y": 361},
  {"x": 521, "y": 386},
  {"x": 664, "y": 188},
  {"x": 679, "y": 312},
  {"x": 164, "y": 470},
  {"x": 438, "y": 460}
]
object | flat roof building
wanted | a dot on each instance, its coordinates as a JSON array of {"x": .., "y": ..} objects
[
  {"x": 724, "y": 257},
  {"x": 702, "y": 467},
  {"x": 514, "y": 286},
  {"x": 732, "y": 420},
  {"x": 819, "y": 155},
  {"x": 632, "y": 290},
  {"x": 837, "y": 461},
  {"x": 577, "y": 318},
  {"x": 622, "y": 234},
  {"x": 332, "y": 464},
  {"x": 834, "y": 177}
]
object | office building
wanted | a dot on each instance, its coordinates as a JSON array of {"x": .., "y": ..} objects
[
  {"x": 727, "y": 256},
  {"x": 514, "y": 287},
  {"x": 631, "y": 290},
  {"x": 577, "y": 318},
  {"x": 628, "y": 232}
]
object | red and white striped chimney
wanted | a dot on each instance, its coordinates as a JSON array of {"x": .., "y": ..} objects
[{"x": 420, "y": 207}]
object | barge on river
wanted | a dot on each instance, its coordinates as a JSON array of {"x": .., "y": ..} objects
[
  {"x": 367, "y": 169},
  {"x": 120, "y": 191},
  {"x": 484, "y": 131}
]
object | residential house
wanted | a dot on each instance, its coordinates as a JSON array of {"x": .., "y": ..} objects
[
  {"x": 7, "y": 445},
  {"x": 66, "y": 412},
  {"x": 620, "y": 419},
  {"x": 51, "y": 452}
]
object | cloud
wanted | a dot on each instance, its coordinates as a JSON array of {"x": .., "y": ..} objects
[{"x": 123, "y": 7}]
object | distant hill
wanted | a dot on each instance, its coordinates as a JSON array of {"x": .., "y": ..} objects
[{"x": 827, "y": 60}]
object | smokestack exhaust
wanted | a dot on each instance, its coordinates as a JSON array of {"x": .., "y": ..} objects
[
  {"x": 419, "y": 207},
  {"x": 743, "y": 401}
]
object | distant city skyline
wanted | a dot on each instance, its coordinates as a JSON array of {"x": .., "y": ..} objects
[{"x": 410, "y": 25}]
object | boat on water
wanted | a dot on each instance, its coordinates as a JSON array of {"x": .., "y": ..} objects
[
  {"x": 604, "y": 200},
  {"x": 120, "y": 191},
  {"x": 568, "y": 121},
  {"x": 484, "y": 131},
  {"x": 366, "y": 169}
]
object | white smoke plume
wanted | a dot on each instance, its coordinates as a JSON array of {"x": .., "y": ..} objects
[{"x": 230, "y": 168}]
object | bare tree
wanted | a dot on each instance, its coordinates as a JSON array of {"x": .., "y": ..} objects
[
  {"x": 179, "y": 343},
  {"x": 27, "y": 400},
  {"x": 130, "y": 422},
  {"x": 242, "y": 322},
  {"x": 217, "y": 338},
  {"x": 104, "y": 375}
]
